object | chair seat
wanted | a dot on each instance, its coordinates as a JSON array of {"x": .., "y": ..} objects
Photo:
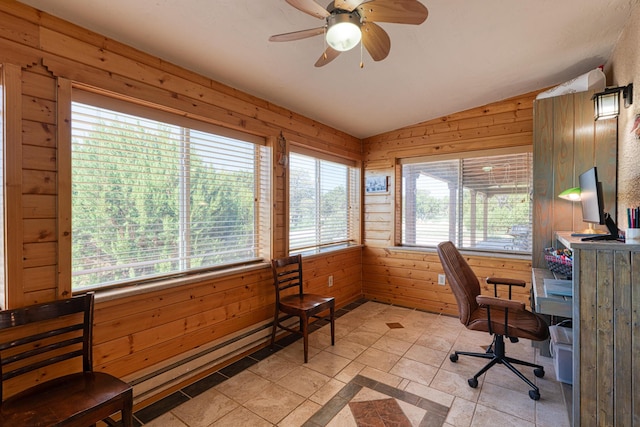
[
  {"x": 522, "y": 324},
  {"x": 62, "y": 401},
  {"x": 310, "y": 303}
]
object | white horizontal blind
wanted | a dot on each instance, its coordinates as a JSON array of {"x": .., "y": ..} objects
[
  {"x": 323, "y": 204},
  {"x": 151, "y": 198},
  {"x": 492, "y": 212}
]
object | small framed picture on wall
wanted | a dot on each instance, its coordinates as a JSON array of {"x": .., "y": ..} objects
[{"x": 377, "y": 184}]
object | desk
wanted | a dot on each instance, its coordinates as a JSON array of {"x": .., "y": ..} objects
[{"x": 606, "y": 332}]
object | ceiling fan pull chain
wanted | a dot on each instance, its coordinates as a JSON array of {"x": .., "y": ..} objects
[{"x": 361, "y": 57}]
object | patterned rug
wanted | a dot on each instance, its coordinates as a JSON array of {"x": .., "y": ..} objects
[{"x": 366, "y": 402}]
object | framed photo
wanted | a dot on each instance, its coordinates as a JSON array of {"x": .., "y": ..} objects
[{"x": 377, "y": 184}]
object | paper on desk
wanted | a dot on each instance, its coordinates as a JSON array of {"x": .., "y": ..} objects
[{"x": 558, "y": 287}]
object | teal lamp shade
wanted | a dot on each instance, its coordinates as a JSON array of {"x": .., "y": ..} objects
[{"x": 572, "y": 194}]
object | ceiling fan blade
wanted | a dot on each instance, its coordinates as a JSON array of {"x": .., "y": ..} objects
[
  {"x": 349, "y": 5},
  {"x": 395, "y": 11},
  {"x": 327, "y": 56},
  {"x": 376, "y": 41},
  {"x": 310, "y": 7},
  {"x": 297, "y": 35}
]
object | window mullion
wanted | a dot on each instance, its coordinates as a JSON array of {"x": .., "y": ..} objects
[{"x": 184, "y": 244}]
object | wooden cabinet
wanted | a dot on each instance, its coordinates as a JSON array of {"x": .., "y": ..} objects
[{"x": 606, "y": 332}]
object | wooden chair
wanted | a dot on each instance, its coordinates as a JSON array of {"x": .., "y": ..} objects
[
  {"x": 497, "y": 316},
  {"x": 287, "y": 274},
  {"x": 37, "y": 341}
]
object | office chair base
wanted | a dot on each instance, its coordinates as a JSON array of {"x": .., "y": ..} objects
[{"x": 496, "y": 354}]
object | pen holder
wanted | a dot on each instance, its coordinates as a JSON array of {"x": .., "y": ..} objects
[{"x": 632, "y": 235}]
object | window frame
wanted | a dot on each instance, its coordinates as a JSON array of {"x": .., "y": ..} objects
[
  {"x": 78, "y": 92},
  {"x": 353, "y": 199},
  {"x": 460, "y": 156}
]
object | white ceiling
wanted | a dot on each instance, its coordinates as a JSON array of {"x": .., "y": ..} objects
[{"x": 466, "y": 54}]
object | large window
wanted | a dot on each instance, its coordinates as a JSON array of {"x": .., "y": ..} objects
[
  {"x": 481, "y": 203},
  {"x": 155, "y": 194},
  {"x": 323, "y": 203}
]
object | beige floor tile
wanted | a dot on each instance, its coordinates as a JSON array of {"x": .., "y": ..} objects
[
  {"x": 363, "y": 336},
  {"x": 205, "y": 408},
  {"x": 166, "y": 420},
  {"x": 456, "y": 385},
  {"x": 241, "y": 417},
  {"x": 320, "y": 340},
  {"x": 391, "y": 345},
  {"x": 426, "y": 355},
  {"x": 328, "y": 363},
  {"x": 295, "y": 352},
  {"x": 430, "y": 393},
  {"x": 506, "y": 400},
  {"x": 382, "y": 377},
  {"x": 413, "y": 413},
  {"x": 301, "y": 414},
  {"x": 436, "y": 342},
  {"x": 378, "y": 359},
  {"x": 346, "y": 348},
  {"x": 500, "y": 375},
  {"x": 377, "y": 326},
  {"x": 344, "y": 418},
  {"x": 273, "y": 368},
  {"x": 461, "y": 412},
  {"x": 350, "y": 371},
  {"x": 408, "y": 334},
  {"x": 414, "y": 371},
  {"x": 243, "y": 387},
  {"x": 327, "y": 391},
  {"x": 488, "y": 417},
  {"x": 274, "y": 403},
  {"x": 304, "y": 381}
]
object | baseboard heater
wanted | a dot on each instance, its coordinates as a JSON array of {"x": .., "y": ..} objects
[{"x": 160, "y": 377}]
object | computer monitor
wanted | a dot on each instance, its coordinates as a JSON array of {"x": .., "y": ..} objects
[{"x": 593, "y": 205}]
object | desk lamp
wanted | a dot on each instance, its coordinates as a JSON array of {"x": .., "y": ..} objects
[{"x": 573, "y": 195}]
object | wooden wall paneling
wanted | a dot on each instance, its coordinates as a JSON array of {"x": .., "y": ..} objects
[
  {"x": 622, "y": 335},
  {"x": 634, "y": 326},
  {"x": 588, "y": 331},
  {"x": 407, "y": 277},
  {"x": 12, "y": 88},
  {"x": 563, "y": 149},
  {"x": 606, "y": 159},
  {"x": 604, "y": 338},
  {"x": 584, "y": 154}
]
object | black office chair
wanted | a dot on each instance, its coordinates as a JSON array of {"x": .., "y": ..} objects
[{"x": 500, "y": 317}]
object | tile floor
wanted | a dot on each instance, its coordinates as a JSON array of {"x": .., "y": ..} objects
[{"x": 389, "y": 366}]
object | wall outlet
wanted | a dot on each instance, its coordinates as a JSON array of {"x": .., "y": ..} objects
[
  {"x": 441, "y": 279},
  {"x": 330, "y": 281}
]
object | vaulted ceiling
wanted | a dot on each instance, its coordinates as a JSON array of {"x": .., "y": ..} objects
[{"x": 468, "y": 52}]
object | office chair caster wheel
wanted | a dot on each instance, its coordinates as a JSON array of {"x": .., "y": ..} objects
[
  {"x": 534, "y": 394},
  {"x": 453, "y": 358},
  {"x": 538, "y": 372},
  {"x": 473, "y": 383}
]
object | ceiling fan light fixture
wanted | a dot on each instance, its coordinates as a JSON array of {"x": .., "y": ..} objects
[{"x": 343, "y": 32}]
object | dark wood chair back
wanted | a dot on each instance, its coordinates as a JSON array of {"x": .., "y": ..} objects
[
  {"x": 292, "y": 300},
  {"x": 46, "y": 367}
]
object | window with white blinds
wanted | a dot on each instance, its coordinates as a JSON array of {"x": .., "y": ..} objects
[
  {"x": 155, "y": 194},
  {"x": 480, "y": 203},
  {"x": 323, "y": 204}
]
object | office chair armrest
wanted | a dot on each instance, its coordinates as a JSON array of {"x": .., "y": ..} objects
[
  {"x": 495, "y": 281},
  {"x": 485, "y": 300},
  {"x": 504, "y": 281}
]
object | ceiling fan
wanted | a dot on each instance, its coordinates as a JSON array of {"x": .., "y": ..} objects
[{"x": 347, "y": 22}]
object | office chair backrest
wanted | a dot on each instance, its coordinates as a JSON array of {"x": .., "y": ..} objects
[{"x": 462, "y": 280}]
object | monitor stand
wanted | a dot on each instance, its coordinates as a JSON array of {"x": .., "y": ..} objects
[{"x": 611, "y": 226}]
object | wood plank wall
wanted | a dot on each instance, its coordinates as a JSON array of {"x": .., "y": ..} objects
[
  {"x": 38, "y": 54},
  {"x": 410, "y": 277},
  {"x": 567, "y": 143}
]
